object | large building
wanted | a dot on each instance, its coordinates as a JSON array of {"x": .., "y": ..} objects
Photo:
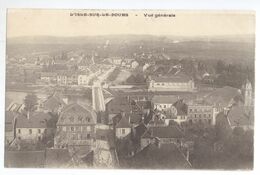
[
  {"x": 34, "y": 126},
  {"x": 76, "y": 127},
  {"x": 200, "y": 112},
  {"x": 178, "y": 83}
]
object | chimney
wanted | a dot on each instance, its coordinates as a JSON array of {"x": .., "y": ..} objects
[{"x": 28, "y": 115}]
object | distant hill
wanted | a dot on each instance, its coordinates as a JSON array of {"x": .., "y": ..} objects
[{"x": 123, "y": 38}]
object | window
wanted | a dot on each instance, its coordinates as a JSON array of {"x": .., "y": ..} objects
[
  {"x": 164, "y": 106},
  {"x": 39, "y": 131},
  {"x": 19, "y": 131},
  {"x": 123, "y": 131},
  {"x": 195, "y": 115},
  {"x": 88, "y": 136},
  {"x": 190, "y": 110},
  {"x": 72, "y": 128},
  {"x": 209, "y": 115},
  {"x": 30, "y": 131}
]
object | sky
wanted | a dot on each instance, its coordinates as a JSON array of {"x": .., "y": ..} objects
[{"x": 39, "y": 22}]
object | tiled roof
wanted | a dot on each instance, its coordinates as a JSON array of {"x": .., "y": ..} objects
[
  {"x": 53, "y": 102},
  {"x": 222, "y": 96},
  {"x": 124, "y": 122},
  {"x": 9, "y": 120},
  {"x": 36, "y": 120},
  {"x": 168, "y": 99},
  {"x": 166, "y": 132},
  {"x": 118, "y": 104},
  {"x": 238, "y": 117},
  {"x": 167, "y": 156},
  {"x": 79, "y": 114},
  {"x": 174, "y": 78}
]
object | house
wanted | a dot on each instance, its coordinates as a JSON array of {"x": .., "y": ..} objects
[
  {"x": 166, "y": 134},
  {"x": 199, "y": 111},
  {"x": 34, "y": 126},
  {"x": 49, "y": 77},
  {"x": 10, "y": 124},
  {"x": 178, "y": 83},
  {"x": 76, "y": 127},
  {"x": 134, "y": 64},
  {"x": 123, "y": 127},
  {"x": 62, "y": 78},
  {"x": 181, "y": 112},
  {"x": 84, "y": 77},
  {"x": 163, "y": 102}
]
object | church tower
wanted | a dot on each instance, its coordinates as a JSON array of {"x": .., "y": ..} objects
[{"x": 248, "y": 93}]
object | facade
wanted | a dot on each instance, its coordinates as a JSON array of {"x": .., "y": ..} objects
[
  {"x": 33, "y": 127},
  {"x": 163, "y": 102},
  {"x": 178, "y": 83},
  {"x": 76, "y": 127},
  {"x": 200, "y": 112},
  {"x": 123, "y": 128},
  {"x": 83, "y": 79},
  {"x": 62, "y": 78},
  {"x": 49, "y": 77}
]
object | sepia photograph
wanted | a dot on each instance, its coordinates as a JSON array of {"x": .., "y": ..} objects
[{"x": 129, "y": 89}]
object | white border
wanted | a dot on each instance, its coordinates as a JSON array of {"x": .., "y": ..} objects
[{"x": 124, "y": 4}]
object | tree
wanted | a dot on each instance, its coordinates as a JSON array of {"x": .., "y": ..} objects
[{"x": 30, "y": 102}]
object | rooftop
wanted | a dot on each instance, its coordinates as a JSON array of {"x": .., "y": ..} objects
[{"x": 35, "y": 120}]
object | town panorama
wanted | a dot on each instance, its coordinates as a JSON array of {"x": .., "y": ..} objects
[{"x": 130, "y": 101}]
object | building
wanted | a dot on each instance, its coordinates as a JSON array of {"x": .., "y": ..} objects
[
  {"x": 123, "y": 127},
  {"x": 10, "y": 124},
  {"x": 76, "y": 127},
  {"x": 163, "y": 102},
  {"x": 178, "y": 83},
  {"x": 166, "y": 134},
  {"x": 34, "y": 126},
  {"x": 200, "y": 111},
  {"x": 158, "y": 156},
  {"x": 62, "y": 78},
  {"x": 49, "y": 77},
  {"x": 84, "y": 78},
  {"x": 181, "y": 109}
]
